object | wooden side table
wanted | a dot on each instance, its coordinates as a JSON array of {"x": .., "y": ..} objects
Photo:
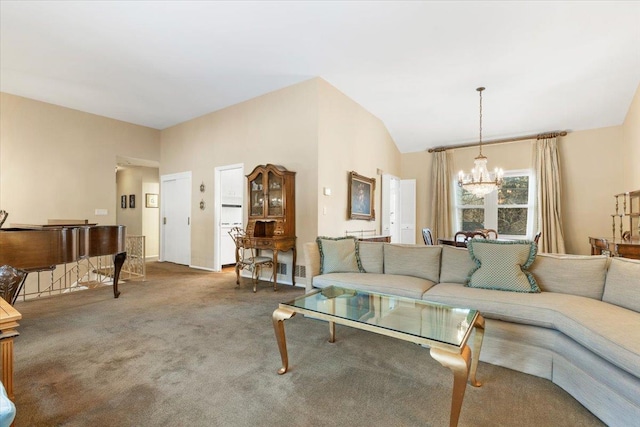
[
  {"x": 9, "y": 317},
  {"x": 616, "y": 246}
]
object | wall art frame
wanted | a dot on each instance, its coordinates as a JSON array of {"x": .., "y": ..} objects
[
  {"x": 361, "y": 197},
  {"x": 151, "y": 200}
]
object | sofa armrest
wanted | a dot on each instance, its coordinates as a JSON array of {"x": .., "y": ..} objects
[{"x": 311, "y": 263}]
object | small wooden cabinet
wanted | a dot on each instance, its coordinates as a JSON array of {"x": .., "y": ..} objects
[
  {"x": 272, "y": 204},
  {"x": 272, "y": 211}
]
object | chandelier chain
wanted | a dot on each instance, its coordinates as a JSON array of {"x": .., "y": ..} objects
[{"x": 480, "y": 89}]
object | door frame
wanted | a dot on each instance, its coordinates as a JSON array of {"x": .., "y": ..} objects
[
  {"x": 217, "y": 211},
  {"x": 163, "y": 205}
]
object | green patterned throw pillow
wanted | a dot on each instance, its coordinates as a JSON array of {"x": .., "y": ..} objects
[
  {"x": 339, "y": 255},
  {"x": 503, "y": 265}
]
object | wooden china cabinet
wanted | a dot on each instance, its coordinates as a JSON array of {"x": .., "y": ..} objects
[{"x": 272, "y": 212}]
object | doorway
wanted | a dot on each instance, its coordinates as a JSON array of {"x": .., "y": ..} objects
[
  {"x": 175, "y": 227},
  {"x": 139, "y": 177},
  {"x": 399, "y": 209},
  {"x": 229, "y": 211},
  {"x": 391, "y": 207}
]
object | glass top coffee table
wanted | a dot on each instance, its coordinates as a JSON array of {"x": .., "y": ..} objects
[{"x": 444, "y": 329}]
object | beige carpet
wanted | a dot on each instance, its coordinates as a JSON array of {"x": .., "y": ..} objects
[{"x": 189, "y": 348}]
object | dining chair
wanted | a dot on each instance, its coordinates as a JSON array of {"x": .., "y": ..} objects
[
  {"x": 427, "y": 236},
  {"x": 462, "y": 237},
  {"x": 246, "y": 258},
  {"x": 489, "y": 233}
]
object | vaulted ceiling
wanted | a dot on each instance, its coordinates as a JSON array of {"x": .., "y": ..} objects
[{"x": 563, "y": 65}]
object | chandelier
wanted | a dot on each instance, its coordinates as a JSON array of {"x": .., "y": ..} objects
[{"x": 480, "y": 181}]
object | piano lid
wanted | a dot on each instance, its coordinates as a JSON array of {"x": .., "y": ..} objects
[{"x": 31, "y": 249}]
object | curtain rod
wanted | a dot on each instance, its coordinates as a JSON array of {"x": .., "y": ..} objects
[{"x": 501, "y": 141}]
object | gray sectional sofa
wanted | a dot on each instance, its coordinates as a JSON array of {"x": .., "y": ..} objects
[{"x": 581, "y": 329}]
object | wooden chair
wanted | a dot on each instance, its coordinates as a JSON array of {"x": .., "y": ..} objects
[
  {"x": 462, "y": 237},
  {"x": 246, "y": 258},
  {"x": 489, "y": 233},
  {"x": 427, "y": 236}
]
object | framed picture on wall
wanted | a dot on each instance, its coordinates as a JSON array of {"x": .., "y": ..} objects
[
  {"x": 123, "y": 201},
  {"x": 132, "y": 201},
  {"x": 151, "y": 200},
  {"x": 361, "y": 191}
]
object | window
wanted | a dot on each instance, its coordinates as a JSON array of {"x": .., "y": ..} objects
[{"x": 508, "y": 210}]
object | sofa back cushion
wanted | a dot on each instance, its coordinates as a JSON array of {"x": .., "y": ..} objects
[
  {"x": 338, "y": 255},
  {"x": 581, "y": 275},
  {"x": 417, "y": 261},
  {"x": 622, "y": 285},
  {"x": 456, "y": 265},
  {"x": 371, "y": 256},
  {"x": 503, "y": 265}
]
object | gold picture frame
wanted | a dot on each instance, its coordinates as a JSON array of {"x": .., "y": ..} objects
[{"x": 361, "y": 192}]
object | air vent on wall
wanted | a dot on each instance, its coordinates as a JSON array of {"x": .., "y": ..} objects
[{"x": 300, "y": 271}]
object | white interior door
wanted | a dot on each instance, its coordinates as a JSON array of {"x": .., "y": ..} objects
[
  {"x": 408, "y": 211},
  {"x": 391, "y": 207},
  {"x": 175, "y": 196}
]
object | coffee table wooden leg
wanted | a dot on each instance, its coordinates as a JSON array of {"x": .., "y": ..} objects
[
  {"x": 332, "y": 332},
  {"x": 279, "y": 316},
  {"x": 459, "y": 365},
  {"x": 6, "y": 354},
  {"x": 477, "y": 346}
]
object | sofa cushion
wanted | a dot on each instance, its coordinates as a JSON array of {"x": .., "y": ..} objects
[
  {"x": 371, "y": 256},
  {"x": 622, "y": 286},
  {"x": 456, "y": 265},
  {"x": 417, "y": 261},
  {"x": 338, "y": 254},
  {"x": 403, "y": 286},
  {"x": 582, "y": 275},
  {"x": 503, "y": 265}
]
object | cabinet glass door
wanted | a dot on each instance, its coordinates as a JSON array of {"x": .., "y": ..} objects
[
  {"x": 274, "y": 195},
  {"x": 256, "y": 192}
]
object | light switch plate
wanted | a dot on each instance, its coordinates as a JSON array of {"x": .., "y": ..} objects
[{"x": 102, "y": 212}]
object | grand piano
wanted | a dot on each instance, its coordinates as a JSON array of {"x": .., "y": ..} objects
[{"x": 31, "y": 248}]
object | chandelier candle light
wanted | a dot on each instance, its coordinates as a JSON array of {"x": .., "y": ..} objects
[{"x": 480, "y": 181}]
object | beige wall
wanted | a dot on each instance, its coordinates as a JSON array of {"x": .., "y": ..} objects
[
  {"x": 280, "y": 127},
  {"x": 593, "y": 170},
  {"x": 128, "y": 182},
  {"x": 59, "y": 163},
  {"x": 299, "y": 127},
  {"x": 139, "y": 180},
  {"x": 151, "y": 216},
  {"x": 631, "y": 135},
  {"x": 418, "y": 166},
  {"x": 349, "y": 139}
]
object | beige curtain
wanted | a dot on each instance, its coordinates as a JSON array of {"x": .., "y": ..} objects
[
  {"x": 441, "y": 195},
  {"x": 546, "y": 164}
]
